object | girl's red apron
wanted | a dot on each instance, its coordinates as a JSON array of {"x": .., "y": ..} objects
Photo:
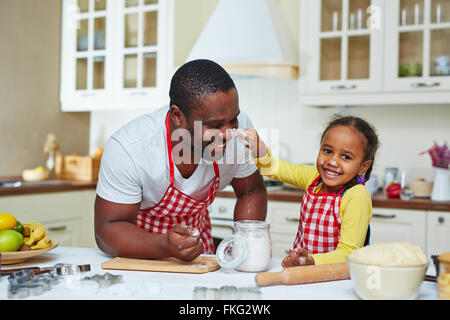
[
  {"x": 320, "y": 222},
  {"x": 176, "y": 207}
]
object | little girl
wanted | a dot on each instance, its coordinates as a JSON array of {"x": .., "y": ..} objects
[{"x": 336, "y": 208}]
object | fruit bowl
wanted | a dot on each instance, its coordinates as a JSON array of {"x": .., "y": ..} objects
[{"x": 20, "y": 256}]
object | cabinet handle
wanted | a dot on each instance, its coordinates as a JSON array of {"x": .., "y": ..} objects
[
  {"x": 383, "y": 216},
  {"x": 57, "y": 228},
  {"x": 85, "y": 95},
  {"x": 222, "y": 209},
  {"x": 138, "y": 93},
  {"x": 343, "y": 87},
  {"x": 296, "y": 220},
  {"x": 441, "y": 220},
  {"x": 425, "y": 84}
]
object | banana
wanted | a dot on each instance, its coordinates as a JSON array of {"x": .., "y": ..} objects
[
  {"x": 34, "y": 230},
  {"x": 45, "y": 242}
]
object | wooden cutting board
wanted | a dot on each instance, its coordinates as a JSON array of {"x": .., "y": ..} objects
[{"x": 201, "y": 264}]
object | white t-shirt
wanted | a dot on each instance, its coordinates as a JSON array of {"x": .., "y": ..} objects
[{"x": 135, "y": 164}]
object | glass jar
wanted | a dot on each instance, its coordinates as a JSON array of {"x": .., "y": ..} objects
[
  {"x": 249, "y": 249},
  {"x": 390, "y": 175}
]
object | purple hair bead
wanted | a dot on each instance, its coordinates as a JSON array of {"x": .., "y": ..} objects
[{"x": 360, "y": 179}]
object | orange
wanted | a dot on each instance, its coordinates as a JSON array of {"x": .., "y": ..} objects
[{"x": 7, "y": 221}]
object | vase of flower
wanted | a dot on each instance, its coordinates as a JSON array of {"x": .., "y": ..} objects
[
  {"x": 440, "y": 158},
  {"x": 441, "y": 185}
]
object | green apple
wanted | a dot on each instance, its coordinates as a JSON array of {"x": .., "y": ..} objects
[
  {"x": 10, "y": 240},
  {"x": 40, "y": 169}
]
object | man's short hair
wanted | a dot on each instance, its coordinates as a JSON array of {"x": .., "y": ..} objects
[{"x": 196, "y": 79}]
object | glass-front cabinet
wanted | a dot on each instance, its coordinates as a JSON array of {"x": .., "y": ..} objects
[
  {"x": 87, "y": 35},
  {"x": 345, "y": 43},
  {"x": 420, "y": 45},
  {"x": 115, "y": 54},
  {"x": 139, "y": 51}
]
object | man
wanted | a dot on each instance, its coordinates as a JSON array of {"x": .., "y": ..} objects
[{"x": 161, "y": 171}]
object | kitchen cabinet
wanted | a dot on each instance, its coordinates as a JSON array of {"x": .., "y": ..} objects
[
  {"x": 418, "y": 38},
  {"x": 221, "y": 213},
  {"x": 344, "y": 46},
  {"x": 67, "y": 216},
  {"x": 115, "y": 54},
  {"x": 391, "y": 225},
  {"x": 369, "y": 52},
  {"x": 438, "y": 232},
  {"x": 284, "y": 220}
]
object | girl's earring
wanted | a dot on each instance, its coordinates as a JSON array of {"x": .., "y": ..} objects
[{"x": 361, "y": 179}]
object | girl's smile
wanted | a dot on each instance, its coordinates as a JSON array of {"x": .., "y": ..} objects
[{"x": 341, "y": 157}]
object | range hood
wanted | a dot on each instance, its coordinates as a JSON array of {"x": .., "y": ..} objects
[{"x": 249, "y": 38}]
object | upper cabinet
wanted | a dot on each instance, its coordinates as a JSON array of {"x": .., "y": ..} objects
[
  {"x": 116, "y": 54},
  {"x": 374, "y": 52},
  {"x": 345, "y": 44},
  {"x": 419, "y": 41}
]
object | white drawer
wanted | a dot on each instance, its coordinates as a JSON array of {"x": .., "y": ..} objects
[
  {"x": 222, "y": 208},
  {"x": 284, "y": 219}
]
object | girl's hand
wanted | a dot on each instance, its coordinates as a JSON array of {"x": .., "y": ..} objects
[
  {"x": 250, "y": 138},
  {"x": 297, "y": 257}
]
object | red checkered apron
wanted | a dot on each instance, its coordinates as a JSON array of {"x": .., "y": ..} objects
[
  {"x": 320, "y": 222},
  {"x": 176, "y": 207}
]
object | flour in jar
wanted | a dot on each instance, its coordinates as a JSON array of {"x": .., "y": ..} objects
[{"x": 259, "y": 254}]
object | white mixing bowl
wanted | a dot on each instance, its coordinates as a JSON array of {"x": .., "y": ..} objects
[{"x": 373, "y": 282}]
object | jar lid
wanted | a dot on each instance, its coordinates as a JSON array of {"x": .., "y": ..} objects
[{"x": 231, "y": 252}]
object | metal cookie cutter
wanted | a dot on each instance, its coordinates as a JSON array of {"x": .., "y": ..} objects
[
  {"x": 34, "y": 282},
  {"x": 104, "y": 281},
  {"x": 227, "y": 293},
  {"x": 26, "y": 283},
  {"x": 62, "y": 269}
]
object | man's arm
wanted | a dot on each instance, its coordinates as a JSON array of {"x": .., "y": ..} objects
[
  {"x": 116, "y": 234},
  {"x": 251, "y": 197}
]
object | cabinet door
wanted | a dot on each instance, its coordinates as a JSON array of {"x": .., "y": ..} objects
[
  {"x": 345, "y": 45},
  {"x": 284, "y": 220},
  {"x": 391, "y": 225},
  {"x": 142, "y": 50},
  {"x": 67, "y": 216},
  {"x": 438, "y": 232},
  {"x": 417, "y": 46},
  {"x": 86, "y": 53},
  {"x": 66, "y": 232}
]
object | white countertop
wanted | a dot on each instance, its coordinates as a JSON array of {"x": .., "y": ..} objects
[{"x": 138, "y": 285}]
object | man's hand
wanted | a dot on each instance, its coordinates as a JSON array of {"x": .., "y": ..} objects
[
  {"x": 297, "y": 257},
  {"x": 184, "y": 242}
]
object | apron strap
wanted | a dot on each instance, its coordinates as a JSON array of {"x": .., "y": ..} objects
[
  {"x": 319, "y": 181},
  {"x": 169, "y": 147}
]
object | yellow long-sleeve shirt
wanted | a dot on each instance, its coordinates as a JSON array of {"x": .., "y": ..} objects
[{"x": 355, "y": 209}]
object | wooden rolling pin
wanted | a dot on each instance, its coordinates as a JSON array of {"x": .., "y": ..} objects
[{"x": 305, "y": 274}]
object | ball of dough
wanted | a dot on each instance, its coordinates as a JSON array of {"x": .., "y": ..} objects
[{"x": 390, "y": 254}]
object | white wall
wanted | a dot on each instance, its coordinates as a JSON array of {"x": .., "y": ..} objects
[{"x": 404, "y": 131}]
